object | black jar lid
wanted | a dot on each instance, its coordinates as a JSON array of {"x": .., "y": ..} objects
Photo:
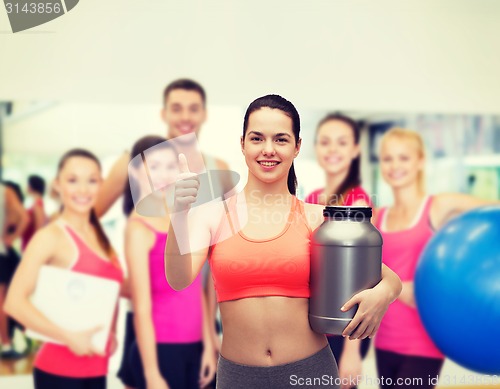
[{"x": 338, "y": 212}]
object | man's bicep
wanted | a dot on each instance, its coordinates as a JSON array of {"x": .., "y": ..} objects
[{"x": 113, "y": 185}]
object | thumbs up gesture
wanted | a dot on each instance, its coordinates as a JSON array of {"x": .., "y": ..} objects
[{"x": 186, "y": 186}]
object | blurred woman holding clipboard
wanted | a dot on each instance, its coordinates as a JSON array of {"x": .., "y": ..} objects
[{"x": 75, "y": 242}]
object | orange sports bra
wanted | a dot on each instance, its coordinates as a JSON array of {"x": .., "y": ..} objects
[{"x": 278, "y": 266}]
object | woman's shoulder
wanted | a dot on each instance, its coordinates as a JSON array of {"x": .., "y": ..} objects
[
  {"x": 313, "y": 197},
  {"x": 314, "y": 215},
  {"x": 358, "y": 195},
  {"x": 49, "y": 240},
  {"x": 139, "y": 235},
  {"x": 52, "y": 231},
  {"x": 214, "y": 209},
  {"x": 207, "y": 218},
  {"x": 360, "y": 190},
  {"x": 38, "y": 203},
  {"x": 137, "y": 224}
]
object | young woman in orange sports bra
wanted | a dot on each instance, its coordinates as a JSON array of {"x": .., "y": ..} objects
[
  {"x": 259, "y": 254},
  {"x": 77, "y": 242}
]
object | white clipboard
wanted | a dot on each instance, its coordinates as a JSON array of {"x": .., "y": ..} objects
[{"x": 76, "y": 302}]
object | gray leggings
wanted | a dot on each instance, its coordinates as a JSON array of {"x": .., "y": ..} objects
[{"x": 317, "y": 371}]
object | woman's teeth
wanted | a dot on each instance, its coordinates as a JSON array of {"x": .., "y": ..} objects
[
  {"x": 268, "y": 164},
  {"x": 82, "y": 201},
  {"x": 333, "y": 160}
]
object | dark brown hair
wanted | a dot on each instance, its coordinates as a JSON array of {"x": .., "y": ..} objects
[
  {"x": 140, "y": 147},
  {"x": 186, "y": 84}
]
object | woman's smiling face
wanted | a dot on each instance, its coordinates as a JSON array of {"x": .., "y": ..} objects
[
  {"x": 336, "y": 146},
  {"x": 269, "y": 144},
  {"x": 78, "y": 183}
]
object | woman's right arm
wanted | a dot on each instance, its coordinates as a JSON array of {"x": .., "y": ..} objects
[
  {"x": 39, "y": 252},
  {"x": 189, "y": 234},
  {"x": 446, "y": 206},
  {"x": 407, "y": 295},
  {"x": 125, "y": 288},
  {"x": 181, "y": 264},
  {"x": 138, "y": 242}
]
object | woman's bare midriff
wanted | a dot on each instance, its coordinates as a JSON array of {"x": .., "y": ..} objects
[{"x": 268, "y": 331}]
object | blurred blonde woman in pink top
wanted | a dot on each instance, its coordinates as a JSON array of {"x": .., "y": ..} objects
[{"x": 403, "y": 348}]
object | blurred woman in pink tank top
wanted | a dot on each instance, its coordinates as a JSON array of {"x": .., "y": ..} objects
[
  {"x": 173, "y": 347},
  {"x": 403, "y": 347},
  {"x": 74, "y": 241},
  {"x": 338, "y": 153}
]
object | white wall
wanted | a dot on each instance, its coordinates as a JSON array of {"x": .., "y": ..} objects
[
  {"x": 38, "y": 133},
  {"x": 412, "y": 55},
  {"x": 48, "y": 128}
]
